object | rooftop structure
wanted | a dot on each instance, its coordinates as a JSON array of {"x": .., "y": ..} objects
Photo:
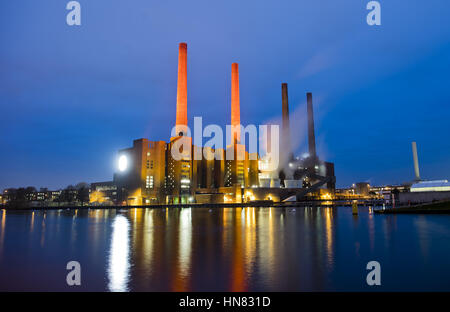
[{"x": 431, "y": 186}]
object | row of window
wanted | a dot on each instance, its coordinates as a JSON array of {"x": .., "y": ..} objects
[{"x": 149, "y": 182}]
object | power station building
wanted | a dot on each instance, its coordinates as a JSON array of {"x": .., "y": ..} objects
[{"x": 149, "y": 174}]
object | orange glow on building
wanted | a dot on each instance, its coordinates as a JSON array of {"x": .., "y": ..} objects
[
  {"x": 182, "y": 87},
  {"x": 97, "y": 197}
]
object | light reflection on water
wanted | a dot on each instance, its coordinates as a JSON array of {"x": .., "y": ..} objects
[
  {"x": 230, "y": 249},
  {"x": 2, "y": 231},
  {"x": 119, "y": 262}
]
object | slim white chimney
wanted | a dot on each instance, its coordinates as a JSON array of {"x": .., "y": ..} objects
[{"x": 416, "y": 161}]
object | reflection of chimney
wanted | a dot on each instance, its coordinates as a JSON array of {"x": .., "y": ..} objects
[
  {"x": 286, "y": 137},
  {"x": 181, "y": 121},
  {"x": 235, "y": 104},
  {"x": 416, "y": 161},
  {"x": 311, "y": 136}
]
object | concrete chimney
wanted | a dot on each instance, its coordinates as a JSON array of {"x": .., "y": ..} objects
[
  {"x": 235, "y": 104},
  {"x": 286, "y": 136},
  {"x": 416, "y": 161},
  {"x": 181, "y": 121},
  {"x": 311, "y": 135}
]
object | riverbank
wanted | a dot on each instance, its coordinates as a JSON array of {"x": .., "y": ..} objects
[
  {"x": 440, "y": 207},
  {"x": 267, "y": 203}
]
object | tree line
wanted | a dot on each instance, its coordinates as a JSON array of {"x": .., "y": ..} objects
[{"x": 24, "y": 196}]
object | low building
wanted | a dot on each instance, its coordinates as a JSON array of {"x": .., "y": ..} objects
[
  {"x": 362, "y": 188},
  {"x": 103, "y": 193},
  {"x": 54, "y": 195},
  {"x": 411, "y": 198},
  {"x": 431, "y": 186},
  {"x": 426, "y": 192},
  {"x": 390, "y": 193}
]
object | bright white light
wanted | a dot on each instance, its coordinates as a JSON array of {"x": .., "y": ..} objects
[{"x": 123, "y": 163}]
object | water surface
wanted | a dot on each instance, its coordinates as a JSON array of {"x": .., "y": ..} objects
[{"x": 248, "y": 249}]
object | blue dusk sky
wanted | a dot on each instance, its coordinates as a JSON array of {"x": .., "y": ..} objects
[{"x": 70, "y": 97}]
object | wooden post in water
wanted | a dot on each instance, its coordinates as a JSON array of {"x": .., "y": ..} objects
[{"x": 355, "y": 208}]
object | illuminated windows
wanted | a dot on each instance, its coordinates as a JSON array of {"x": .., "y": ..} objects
[{"x": 149, "y": 182}]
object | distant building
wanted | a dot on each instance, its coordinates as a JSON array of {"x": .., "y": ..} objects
[
  {"x": 390, "y": 193},
  {"x": 31, "y": 197},
  {"x": 141, "y": 176},
  {"x": 431, "y": 186},
  {"x": 103, "y": 193},
  {"x": 362, "y": 188},
  {"x": 54, "y": 195}
]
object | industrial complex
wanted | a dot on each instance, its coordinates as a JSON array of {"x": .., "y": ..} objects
[
  {"x": 149, "y": 174},
  {"x": 183, "y": 171}
]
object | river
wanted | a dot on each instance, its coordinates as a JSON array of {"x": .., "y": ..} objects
[{"x": 223, "y": 249}]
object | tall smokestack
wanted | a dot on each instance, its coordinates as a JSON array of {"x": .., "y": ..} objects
[
  {"x": 416, "y": 161},
  {"x": 181, "y": 121},
  {"x": 235, "y": 104},
  {"x": 286, "y": 139},
  {"x": 311, "y": 135}
]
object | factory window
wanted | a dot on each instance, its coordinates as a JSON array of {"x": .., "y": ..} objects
[{"x": 149, "y": 182}]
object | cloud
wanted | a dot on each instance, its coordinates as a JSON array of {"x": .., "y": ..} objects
[{"x": 316, "y": 64}]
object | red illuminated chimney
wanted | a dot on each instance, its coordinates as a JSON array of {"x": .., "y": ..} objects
[
  {"x": 235, "y": 104},
  {"x": 182, "y": 88}
]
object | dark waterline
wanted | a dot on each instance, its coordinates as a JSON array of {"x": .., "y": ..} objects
[{"x": 223, "y": 249}]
